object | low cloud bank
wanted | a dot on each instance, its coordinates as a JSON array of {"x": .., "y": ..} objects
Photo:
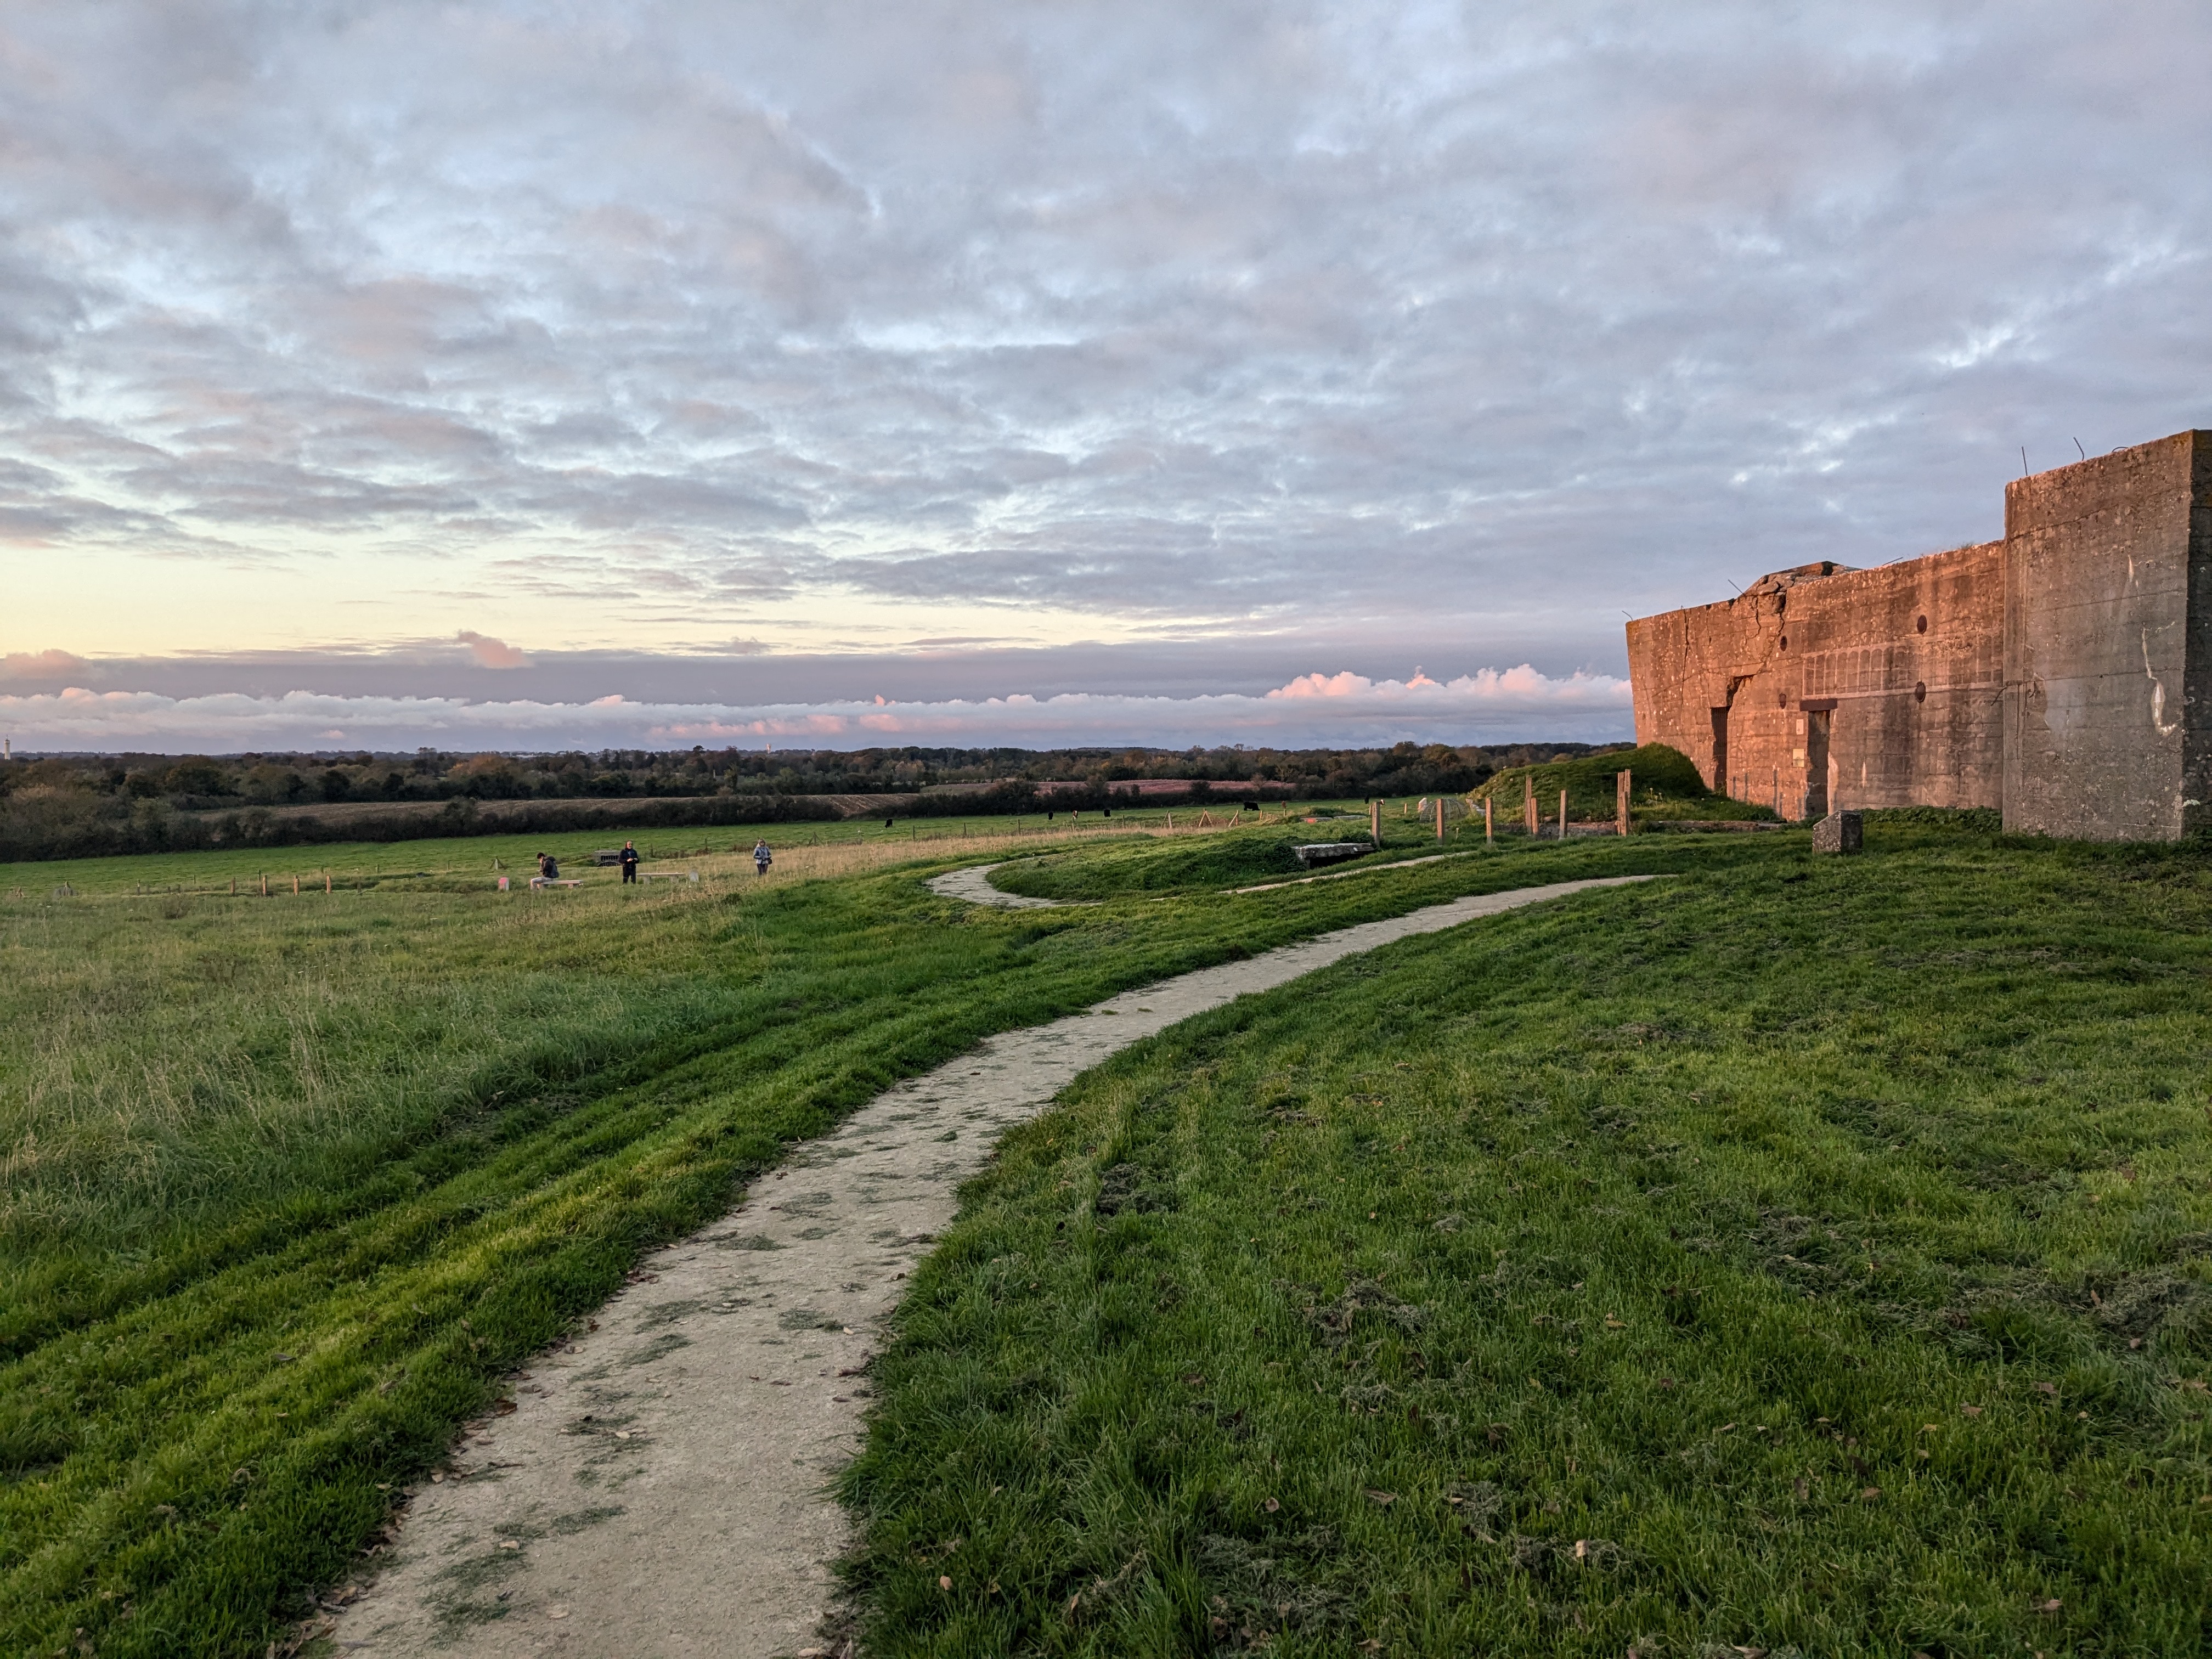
[{"x": 1315, "y": 710}]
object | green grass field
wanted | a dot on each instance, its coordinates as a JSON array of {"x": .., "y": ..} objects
[
  {"x": 289, "y": 1182},
  {"x": 1674, "y": 1267},
  {"x": 1799, "y": 1256},
  {"x": 478, "y": 860}
]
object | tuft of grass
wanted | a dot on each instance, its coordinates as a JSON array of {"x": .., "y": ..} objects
[{"x": 1804, "y": 1255}]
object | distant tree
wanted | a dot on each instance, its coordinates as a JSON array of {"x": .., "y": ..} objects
[
  {"x": 270, "y": 783},
  {"x": 195, "y": 775}
]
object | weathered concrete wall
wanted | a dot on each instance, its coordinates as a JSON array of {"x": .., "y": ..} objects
[
  {"x": 2102, "y": 628},
  {"x": 2063, "y": 674},
  {"x": 1904, "y": 663}
]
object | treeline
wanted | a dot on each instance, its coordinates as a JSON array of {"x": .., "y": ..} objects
[{"x": 77, "y": 806}]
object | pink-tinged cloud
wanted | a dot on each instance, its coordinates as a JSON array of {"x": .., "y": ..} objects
[
  {"x": 490, "y": 652},
  {"x": 1315, "y": 710},
  {"x": 41, "y": 664}
]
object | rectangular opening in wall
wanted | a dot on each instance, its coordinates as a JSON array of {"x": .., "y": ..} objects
[
  {"x": 1816, "y": 761},
  {"x": 1720, "y": 778}
]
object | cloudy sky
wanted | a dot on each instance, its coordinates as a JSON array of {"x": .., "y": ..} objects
[{"x": 1057, "y": 372}]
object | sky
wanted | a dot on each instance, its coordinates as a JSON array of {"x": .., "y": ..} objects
[{"x": 519, "y": 376}]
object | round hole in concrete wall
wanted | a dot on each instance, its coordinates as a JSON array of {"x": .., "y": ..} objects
[
  {"x": 1920, "y": 627},
  {"x": 1785, "y": 641},
  {"x": 1782, "y": 700},
  {"x": 1920, "y": 691}
]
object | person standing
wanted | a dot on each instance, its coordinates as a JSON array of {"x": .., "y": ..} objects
[
  {"x": 761, "y": 857},
  {"x": 630, "y": 862}
]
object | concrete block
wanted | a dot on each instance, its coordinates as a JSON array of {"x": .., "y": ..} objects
[
  {"x": 1330, "y": 852},
  {"x": 1840, "y": 832}
]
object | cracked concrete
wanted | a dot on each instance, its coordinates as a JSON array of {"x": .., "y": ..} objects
[{"x": 659, "y": 1490}]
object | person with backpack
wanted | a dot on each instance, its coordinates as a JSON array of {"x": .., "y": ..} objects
[{"x": 761, "y": 857}]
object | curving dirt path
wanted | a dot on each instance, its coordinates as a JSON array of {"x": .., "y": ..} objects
[
  {"x": 973, "y": 884},
  {"x": 659, "y": 1490}
]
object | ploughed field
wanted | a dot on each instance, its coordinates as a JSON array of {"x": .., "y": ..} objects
[{"x": 1792, "y": 1253}]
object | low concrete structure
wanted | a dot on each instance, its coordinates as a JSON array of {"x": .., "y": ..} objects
[
  {"x": 1330, "y": 852},
  {"x": 1840, "y": 832},
  {"x": 2063, "y": 675}
]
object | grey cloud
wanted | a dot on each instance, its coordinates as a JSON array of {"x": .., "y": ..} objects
[{"x": 1236, "y": 317}]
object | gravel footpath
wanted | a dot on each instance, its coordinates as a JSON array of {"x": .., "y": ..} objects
[
  {"x": 661, "y": 1487},
  {"x": 973, "y": 884}
]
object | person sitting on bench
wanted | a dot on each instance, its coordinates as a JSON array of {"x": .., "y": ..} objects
[{"x": 549, "y": 868}]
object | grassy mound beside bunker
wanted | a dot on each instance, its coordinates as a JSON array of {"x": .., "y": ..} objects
[
  {"x": 1210, "y": 862},
  {"x": 1666, "y": 786}
]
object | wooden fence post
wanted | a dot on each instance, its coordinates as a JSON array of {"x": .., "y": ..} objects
[
  {"x": 1374, "y": 820},
  {"x": 1487, "y": 837},
  {"x": 1563, "y": 815},
  {"x": 1620, "y": 793},
  {"x": 1529, "y": 802},
  {"x": 1440, "y": 817},
  {"x": 265, "y": 883}
]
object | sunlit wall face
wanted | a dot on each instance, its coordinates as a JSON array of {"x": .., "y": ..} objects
[{"x": 1409, "y": 335}]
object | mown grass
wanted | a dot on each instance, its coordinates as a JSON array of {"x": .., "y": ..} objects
[
  {"x": 291, "y": 1183},
  {"x": 1800, "y": 1256}
]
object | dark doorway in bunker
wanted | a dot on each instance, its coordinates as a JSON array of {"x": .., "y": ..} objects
[
  {"x": 1720, "y": 751},
  {"x": 1816, "y": 761}
]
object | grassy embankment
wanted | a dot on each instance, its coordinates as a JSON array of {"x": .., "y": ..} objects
[
  {"x": 1666, "y": 788},
  {"x": 290, "y": 1183},
  {"x": 1799, "y": 1255},
  {"x": 1211, "y": 864}
]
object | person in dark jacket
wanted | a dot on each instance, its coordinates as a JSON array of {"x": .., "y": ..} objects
[
  {"x": 629, "y": 860},
  {"x": 548, "y": 868}
]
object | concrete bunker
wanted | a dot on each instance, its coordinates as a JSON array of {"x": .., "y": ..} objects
[{"x": 2061, "y": 674}]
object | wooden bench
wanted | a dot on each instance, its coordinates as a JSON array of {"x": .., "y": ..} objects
[
  {"x": 668, "y": 875},
  {"x": 536, "y": 882}
]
